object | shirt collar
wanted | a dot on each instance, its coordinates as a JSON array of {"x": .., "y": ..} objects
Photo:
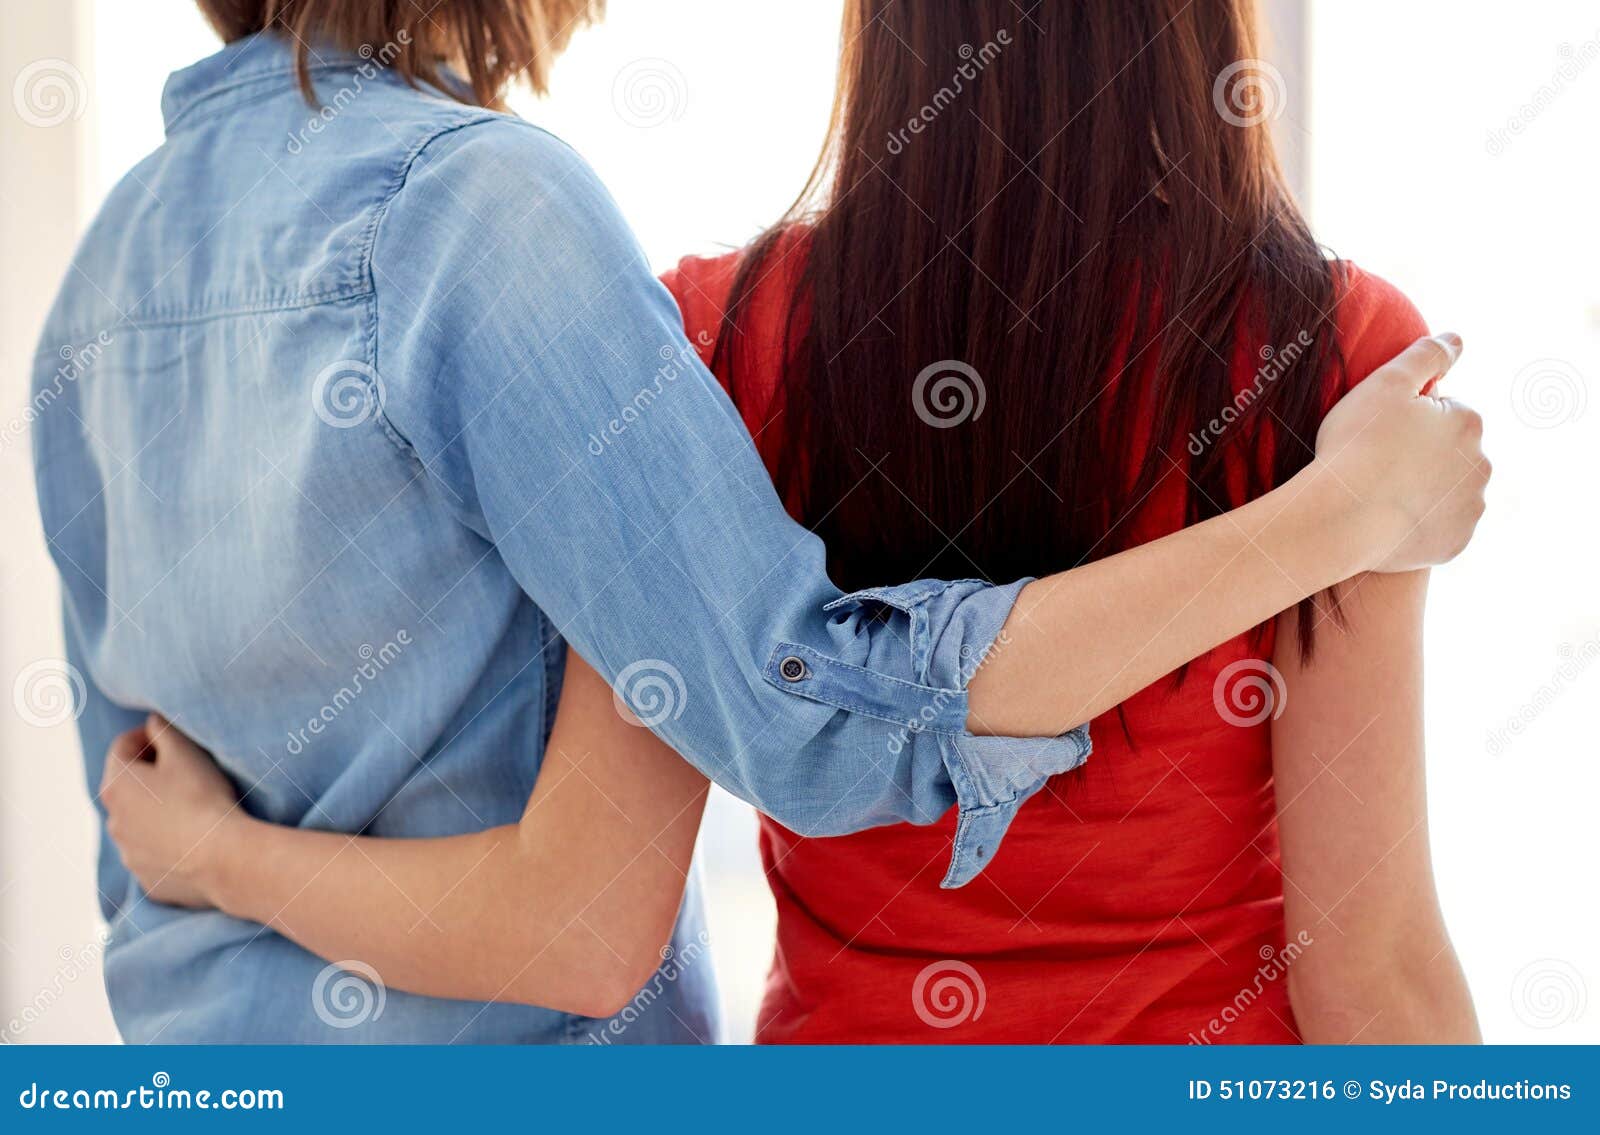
[
  {"x": 256, "y": 57},
  {"x": 242, "y": 62}
]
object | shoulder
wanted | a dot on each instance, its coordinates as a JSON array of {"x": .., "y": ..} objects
[
  {"x": 1374, "y": 320},
  {"x": 494, "y": 187},
  {"x": 703, "y": 289},
  {"x": 701, "y": 286}
]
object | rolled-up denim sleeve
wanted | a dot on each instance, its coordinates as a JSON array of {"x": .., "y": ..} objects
[{"x": 539, "y": 373}]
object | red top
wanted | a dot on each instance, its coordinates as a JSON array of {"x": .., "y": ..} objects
[{"x": 1138, "y": 902}]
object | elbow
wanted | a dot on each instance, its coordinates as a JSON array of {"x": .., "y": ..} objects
[
  {"x": 606, "y": 988},
  {"x": 599, "y": 991},
  {"x": 588, "y": 970},
  {"x": 1402, "y": 998}
]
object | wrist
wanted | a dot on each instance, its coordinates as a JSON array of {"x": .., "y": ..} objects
[
  {"x": 1346, "y": 535},
  {"x": 218, "y": 857}
]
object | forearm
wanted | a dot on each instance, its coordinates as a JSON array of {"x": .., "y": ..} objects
[
  {"x": 569, "y": 914},
  {"x": 1080, "y": 642}
]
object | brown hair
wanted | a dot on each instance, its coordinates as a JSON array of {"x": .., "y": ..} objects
[
  {"x": 494, "y": 42},
  {"x": 1056, "y": 226}
]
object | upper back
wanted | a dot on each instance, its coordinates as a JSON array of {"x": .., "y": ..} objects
[
  {"x": 1142, "y": 889},
  {"x": 256, "y": 202},
  {"x": 220, "y": 494}
]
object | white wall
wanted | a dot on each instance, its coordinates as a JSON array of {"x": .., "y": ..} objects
[{"x": 50, "y": 987}]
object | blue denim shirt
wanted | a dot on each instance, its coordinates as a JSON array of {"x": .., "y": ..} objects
[{"x": 344, "y": 421}]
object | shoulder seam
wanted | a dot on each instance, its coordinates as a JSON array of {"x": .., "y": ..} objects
[{"x": 369, "y": 240}]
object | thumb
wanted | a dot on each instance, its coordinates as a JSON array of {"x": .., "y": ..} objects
[
  {"x": 1419, "y": 368},
  {"x": 124, "y": 755}
]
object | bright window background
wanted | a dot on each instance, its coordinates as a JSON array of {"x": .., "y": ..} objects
[
  {"x": 704, "y": 117},
  {"x": 1497, "y": 237}
]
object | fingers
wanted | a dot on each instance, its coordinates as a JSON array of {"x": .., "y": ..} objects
[
  {"x": 1420, "y": 366},
  {"x": 126, "y": 751}
]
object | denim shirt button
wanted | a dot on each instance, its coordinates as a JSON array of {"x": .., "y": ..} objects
[{"x": 792, "y": 669}]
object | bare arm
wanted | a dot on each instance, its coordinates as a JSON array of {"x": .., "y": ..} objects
[
  {"x": 1352, "y": 812},
  {"x": 568, "y": 908},
  {"x": 1397, "y": 484}
]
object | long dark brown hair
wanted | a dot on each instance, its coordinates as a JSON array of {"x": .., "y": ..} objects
[{"x": 1038, "y": 241}]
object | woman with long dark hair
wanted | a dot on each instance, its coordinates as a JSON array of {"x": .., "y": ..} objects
[{"x": 1120, "y": 326}]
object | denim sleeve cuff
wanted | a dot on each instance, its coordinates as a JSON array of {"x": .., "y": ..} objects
[{"x": 953, "y": 628}]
